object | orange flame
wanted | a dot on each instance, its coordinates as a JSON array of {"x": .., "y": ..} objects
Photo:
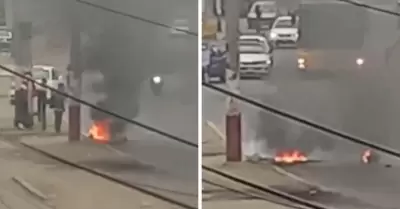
[
  {"x": 290, "y": 157},
  {"x": 100, "y": 131},
  {"x": 366, "y": 156}
]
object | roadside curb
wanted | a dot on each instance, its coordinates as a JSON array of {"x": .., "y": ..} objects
[
  {"x": 29, "y": 188},
  {"x": 216, "y": 130},
  {"x": 277, "y": 169}
]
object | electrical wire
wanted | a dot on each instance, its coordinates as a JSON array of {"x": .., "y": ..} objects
[
  {"x": 152, "y": 129},
  {"x": 135, "y": 17}
]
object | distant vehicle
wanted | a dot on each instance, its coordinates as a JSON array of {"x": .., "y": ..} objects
[
  {"x": 180, "y": 27},
  {"x": 269, "y": 11},
  {"x": 50, "y": 73},
  {"x": 256, "y": 60},
  {"x": 5, "y": 40},
  {"x": 326, "y": 45},
  {"x": 255, "y": 38},
  {"x": 285, "y": 31},
  {"x": 214, "y": 67}
]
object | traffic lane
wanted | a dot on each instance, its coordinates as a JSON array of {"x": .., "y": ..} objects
[
  {"x": 342, "y": 101},
  {"x": 373, "y": 184}
]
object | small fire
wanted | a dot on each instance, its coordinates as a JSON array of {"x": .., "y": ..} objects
[
  {"x": 367, "y": 156},
  {"x": 100, "y": 131},
  {"x": 290, "y": 157}
]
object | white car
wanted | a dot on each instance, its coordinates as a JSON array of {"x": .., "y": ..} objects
[
  {"x": 255, "y": 39},
  {"x": 49, "y": 73},
  {"x": 180, "y": 27},
  {"x": 285, "y": 31},
  {"x": 255, "y": 60},
  {"x": 269, "y": 11}
]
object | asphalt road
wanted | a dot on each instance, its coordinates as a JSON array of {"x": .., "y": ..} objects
[{"x": 362, "y": 103}]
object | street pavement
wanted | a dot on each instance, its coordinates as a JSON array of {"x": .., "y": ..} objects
[
  {"x": 115, "y": 164},
  {"x": 32, "y": 181},
  {"x": 362, "y": 103},
  {"x": 231, "y": 194}
]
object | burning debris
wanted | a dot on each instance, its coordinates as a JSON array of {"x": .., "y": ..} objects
[
  {"x": 369, "y": 157},
  {"x": 100, "y": 131},
  {"x": 290, "y": 157}
]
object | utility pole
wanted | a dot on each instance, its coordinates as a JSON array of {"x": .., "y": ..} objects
[
  {"x": 74, "y": 77},
  {"x": 233, "y": 116},
  {"x": 22, "y": 49}
]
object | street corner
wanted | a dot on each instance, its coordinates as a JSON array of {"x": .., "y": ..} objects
[{"x": 213, "y": 140}]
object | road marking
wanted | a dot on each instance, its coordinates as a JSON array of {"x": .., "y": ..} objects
[
  {"x": 300, "y": 179},
  {"x": 216, "y": 130},
  {"x": 31, "y": 189},
  {"x": 6, "y": 145}
]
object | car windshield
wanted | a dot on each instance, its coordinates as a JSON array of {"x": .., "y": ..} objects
[
  {"x": 255, "y": 43},
  {"x": 39, "y": 73},
  {"x": 266, "y": 7},
  {"x": 253, "y": 49},
  {"x": 284, "y": 24}
]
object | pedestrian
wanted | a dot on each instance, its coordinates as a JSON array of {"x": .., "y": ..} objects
[
  {"x": 258, "y": 12},
  {"x": 21, "y": 111},
  {"x": 57, "y": 102},
  {"x": 41, "y": 93}
]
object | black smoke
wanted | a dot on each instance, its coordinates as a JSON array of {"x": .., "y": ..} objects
[
  {"x": 117, "y": 50},
  {"x": 283, "y": 134}
]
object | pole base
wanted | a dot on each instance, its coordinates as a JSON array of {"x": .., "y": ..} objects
[
  {"x": 74, "y": 123},
  {"x": 233, "y": 137}
]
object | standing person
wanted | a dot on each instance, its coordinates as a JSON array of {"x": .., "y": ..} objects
[
  {"x": 58, "y": 105},
  {"x": 21, "y": 112},
  {"x": 258, "y": 15},
  {"x": 41, "y": 103}
]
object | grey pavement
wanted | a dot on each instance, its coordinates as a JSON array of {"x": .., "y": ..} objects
[
  {"x": 60, "y": 186},
  {"x": 265, "y": 174},
  {"x": 363, "y": 103},
  {"x": 114, "y": 163}
]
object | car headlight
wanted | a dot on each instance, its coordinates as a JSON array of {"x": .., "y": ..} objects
[
  {"x": 360, "y": 61},
  {"x": 157, "y": 79},
  {"x": 273, "y": 35},
  {"x": 269, "y": 61},
  {"x": 301, "y": 61}
]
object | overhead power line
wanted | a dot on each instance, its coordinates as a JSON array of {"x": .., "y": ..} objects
[
  {"x": 124, "y": 14},
  {"x": 152, "y": 129},
  {"x": 369, "y": 7},
  {"x": 307, "y": 122}
]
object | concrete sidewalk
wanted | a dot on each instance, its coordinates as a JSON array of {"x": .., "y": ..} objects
[
  {"x": 116, "y": 164},
  {"x": 31, "y": 181},
  {"x": 257, "y": 173}
]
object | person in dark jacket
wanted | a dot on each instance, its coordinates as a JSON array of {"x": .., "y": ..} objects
[
  {"x": 41, "y": 103},
  {"x": 58, "y": 106},
  {"x": 21, "y": 112},
  {"x": 258, "y": 12}
]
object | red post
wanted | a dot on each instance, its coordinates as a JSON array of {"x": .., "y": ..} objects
[
  {"x": 233, "y": 137},
  {"x": 74, "y": 122}
]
